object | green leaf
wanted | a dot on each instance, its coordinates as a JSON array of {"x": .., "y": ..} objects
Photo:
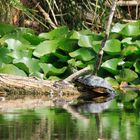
[
  {"x": 112, "y": 46},
  {"x": 49, "y": 69},
  {"x": 84, "y": 54},
  {"x": 85, "y": 41},
  {"x": 5, "y": 29},
  {"x": 137, "y": 103},
  {"x": 126, "y": 75},
  {"x": 4, "y": 58},
  {"x": 67, "y": 45},
  {"x": 20, "y": 53},
  {"x": 127, "y": 41},
  {"x": 132, "y": 29},
  {"x": 75, "y": 35},
  {"x": 30, "y": 63},
  {"x": 45, "y": 47},
  {"x": 131, "y": 49},
  {"x": 11, "y": 69},
  {"x": 56, "y": 33},
  {"x": 137, "y": 66},
  {"x": 33, "y": 39},
  {"x": 129, "y": 96},
  {"x": 96, "y": 46},
  {"x": 13, "y": 43},
  {"x": 117, "y": 27},
  {"x": 112, "y": 81},
  {"x": 111, "y": 65},
  {"x": 74, "y": 63}
]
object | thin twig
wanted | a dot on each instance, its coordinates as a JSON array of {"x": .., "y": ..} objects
[
  {"x": 45, "y": 14},
  {"x": 100, "y": 53}
]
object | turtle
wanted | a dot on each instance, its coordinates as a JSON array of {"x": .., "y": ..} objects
[{"x": 94, "y": 86}]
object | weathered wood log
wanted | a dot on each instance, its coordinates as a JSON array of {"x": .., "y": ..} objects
[{"x": 16, "y": 87}]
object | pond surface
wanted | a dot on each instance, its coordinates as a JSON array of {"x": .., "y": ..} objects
[{"x": 107, "y": 121}]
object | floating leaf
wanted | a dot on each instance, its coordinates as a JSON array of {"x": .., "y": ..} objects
[
  {"x": 33, "y": 39},
  {"x": 13, "y": 43},
  {"x": 96, "y": 46},
  {"x": 49, "y": 69},
  {"x": 111, "y": 65},
  {"x": 5, "y": 29},
  {"x": 30, "y": 63},
  {"x": 56, "y": 33},
  {"x": 112, "y": 81},
  {"x": 75, "y": 35},
  {"x": 11, "y": 69},
  {"x": 137, "y": 103},
  {"x": 131, "y": 49},
  {"x": 45, "y": 47},
  {"x": 84, "y": 54},
  {"x": 132, "y": 29},
  {"x": 67, "y": 45},
  {"x": 4, "y": 58},
  {"x": 112, "y": 46},
  {"x": 129, "y": 96},
  {"x": 117, "y": 27},
  {"x": 137, "y": 66},
  {"x": 126, "y": 75},
  {"x": 74, "y": 63},
  {"x": 85, "y": 41}
]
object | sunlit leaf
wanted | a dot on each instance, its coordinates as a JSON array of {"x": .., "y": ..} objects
[
  {"x": 131, "y": 30},
  {"x": 30, "y": 63},
  {"x": 13, "y": 43},
  {"x": 96, "y": 46},
  {"x": 129, "y": 96},
  {"x": 112, "y": 81},
  {"x": 45, "y": 47},
  {"x": 75, "y": 35},
  {"x": 84, "y": 54},
  {"x": 112, "y": 46},
  {"x": 111, "y": 65},
  {"x": 85, "y": 41},
  {"x": 131, "y": 49},
  {"x": 49, "y": 69},
  {"x": 126, "y": 75},
  {"x": 56, "y": 33},
  {"x": 11, "y": 69},
  {"x": 117, "y": 27}
]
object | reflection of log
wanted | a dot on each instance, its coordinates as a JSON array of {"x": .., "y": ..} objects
[{"x": 13, "y": 87}]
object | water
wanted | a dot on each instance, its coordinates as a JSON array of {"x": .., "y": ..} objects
[{"x": 107, "y": 121}]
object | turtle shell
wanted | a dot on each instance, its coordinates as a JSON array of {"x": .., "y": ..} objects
[{"x": 95, "y": 82}]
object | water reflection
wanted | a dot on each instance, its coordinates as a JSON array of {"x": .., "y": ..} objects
[{"x": 84, "y": 122}]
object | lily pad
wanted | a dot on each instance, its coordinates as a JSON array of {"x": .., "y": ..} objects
[
  {"x": 126, "y": 75},
  {"x": 49, "y": 69},
  {"x": 84, "y": 54},
  {"x": 112, "y": 47},
  {"x": 11, "y": 69},
  {"x": 56, "y": 33},
  {"x": 85, "y": 41},
  {"x": 46, "y": 47},
  {"x": 111, "y": 65}
]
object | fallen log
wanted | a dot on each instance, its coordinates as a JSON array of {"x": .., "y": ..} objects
[{"x": 18, "y": 87}]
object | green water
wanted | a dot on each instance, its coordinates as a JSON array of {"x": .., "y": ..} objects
[{"x": 85, "y": 122}]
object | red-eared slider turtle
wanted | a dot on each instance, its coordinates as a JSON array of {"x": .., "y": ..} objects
[{"x": 95, "y": 86}]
